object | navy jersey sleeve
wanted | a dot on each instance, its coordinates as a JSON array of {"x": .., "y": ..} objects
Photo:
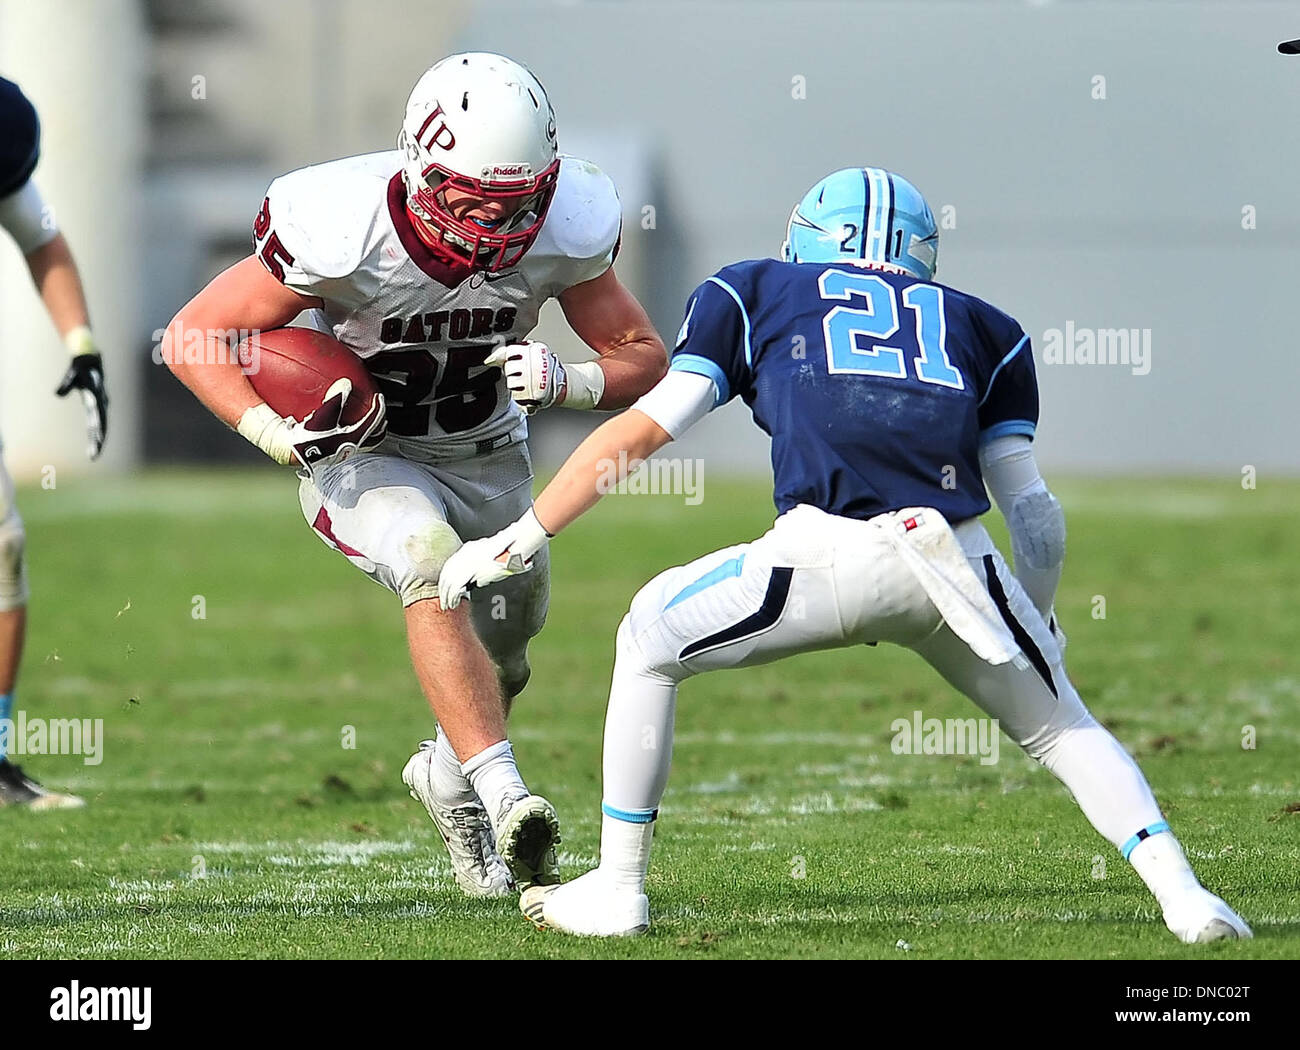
[
  {"x": 714, "y": 339},
  {"x": 1009, "y": 401}
]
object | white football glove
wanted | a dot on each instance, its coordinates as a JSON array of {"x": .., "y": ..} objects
[
  {"x": 321, "y": 438},
  {"x": 535, "y": 377},
  {"x": 481, "y": 563}
]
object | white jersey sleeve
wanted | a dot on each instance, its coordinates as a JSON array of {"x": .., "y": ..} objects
[
  {"x": 26, "y": 218},
  {"x": 315, "y": 229},
  {"x": 583, "y": 229}
]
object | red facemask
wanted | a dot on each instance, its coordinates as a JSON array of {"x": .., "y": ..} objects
[{"x": 496, "y": 247}]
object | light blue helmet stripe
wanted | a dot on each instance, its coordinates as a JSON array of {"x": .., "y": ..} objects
[
  {"x": 878, "y": 213},
  {"x": 889, "y": 222},
  {"x": 866, "y": 214}
]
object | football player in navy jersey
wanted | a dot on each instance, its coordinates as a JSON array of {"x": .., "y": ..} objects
[
  {"x": 892, "y": 401},
  {"x": 26, "y": 218}
]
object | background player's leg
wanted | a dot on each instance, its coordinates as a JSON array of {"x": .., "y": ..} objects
[
  {"x": 13, "y": 593},
  {"x": 13, "y": 628},
  {"x": 1040, "y": 710},
  {"x": 16, "y": 788}
]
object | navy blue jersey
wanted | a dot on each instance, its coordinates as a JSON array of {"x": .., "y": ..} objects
[
  {"x": 877, "y": 388},
  {"x": 20, "y": 138}
]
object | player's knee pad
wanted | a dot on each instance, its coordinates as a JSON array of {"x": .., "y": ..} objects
[
  {"x": 13, "y": 572},
  {"x": 506, "y": 641},
  {"x": 509, "y": 654},
  {"x": 422, "y": 556},
  {"x": 508, "y": 615},
  {"x": 646, "y": 660},
  {"x": 514, "y": 680}
]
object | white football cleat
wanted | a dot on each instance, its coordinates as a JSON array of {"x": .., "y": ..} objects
[
  {"x": 465, "y": 830},
  {"x": 587, "y": 907},
  {"x": 527, "y": 832},
  {"x": 1200, "y": 916}
]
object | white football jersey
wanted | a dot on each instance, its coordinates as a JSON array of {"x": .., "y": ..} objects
[{"x": 340, "y": 231}]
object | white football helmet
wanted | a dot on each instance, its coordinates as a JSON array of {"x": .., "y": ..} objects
[{"x": 481, "y": 124}]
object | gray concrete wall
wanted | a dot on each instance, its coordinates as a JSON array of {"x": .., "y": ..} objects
[{"x": 1117, "y": 212}]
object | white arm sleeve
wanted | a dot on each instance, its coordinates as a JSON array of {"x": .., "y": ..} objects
[
  {"x": 23, "y": 214},
  {"x": 1034, "y": 517},
  {"x": 679, "y": 401}
]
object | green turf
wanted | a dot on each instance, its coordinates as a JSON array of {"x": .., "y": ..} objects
[{"x": 227, "y": 819}]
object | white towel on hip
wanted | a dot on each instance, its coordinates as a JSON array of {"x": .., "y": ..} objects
[{"x": 926, "y": 544}]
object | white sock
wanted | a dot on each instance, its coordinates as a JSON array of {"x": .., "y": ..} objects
[
  {"x": 638, "y": 731},
  {"x": 1115, "y": 797},
  {"x": 625, "y": 852},
  {"x": 1104, "y": 780},
  {"x": 494, "y": 775},
  {"x": 1161, "y": 863},
  {"x": 450, "y": 784}
]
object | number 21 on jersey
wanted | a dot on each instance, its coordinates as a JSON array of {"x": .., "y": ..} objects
[{"x": 846, "y": 328}]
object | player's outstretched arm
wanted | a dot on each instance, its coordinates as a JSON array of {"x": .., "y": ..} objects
[
  {"x": 240, "y": 300},
  {"x": 590, "y": 472},
  {"x": 611, "y": 452},
  {"x": 1034, "y": 517},
  {"x": 593, "y": 467}
]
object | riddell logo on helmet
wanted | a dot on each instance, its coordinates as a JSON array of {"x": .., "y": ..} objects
[{"x": 507, "y": 170}]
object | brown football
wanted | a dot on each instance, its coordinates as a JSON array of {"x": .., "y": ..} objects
[{"x": 291, "y": 368}]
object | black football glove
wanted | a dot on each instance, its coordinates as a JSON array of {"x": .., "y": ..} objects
[{"x": 86, "y": 373}]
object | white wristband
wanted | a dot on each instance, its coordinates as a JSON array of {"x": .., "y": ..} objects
[
  {"x": 80, "y": 340},
  {"x": 267, "y": 429},
  {"x": 586, "y": 384}
]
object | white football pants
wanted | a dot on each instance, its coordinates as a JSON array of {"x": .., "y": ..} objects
[
  {"x": 399, "y": 520},
  {"x": 816, "y": 581}
]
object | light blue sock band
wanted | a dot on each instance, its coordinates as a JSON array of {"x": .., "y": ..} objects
[
  {"x": 6, "y": 710},
  {"x": 1145, "y": 833},
  {"x": 631, "y": 816}
]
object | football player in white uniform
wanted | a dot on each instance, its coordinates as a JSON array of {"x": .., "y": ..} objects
[
  {"x": 25, "y": 216},
  {"x": 432, "y": 262}
]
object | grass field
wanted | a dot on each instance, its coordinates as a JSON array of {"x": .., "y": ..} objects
[{"x": 227, "y": 819}]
